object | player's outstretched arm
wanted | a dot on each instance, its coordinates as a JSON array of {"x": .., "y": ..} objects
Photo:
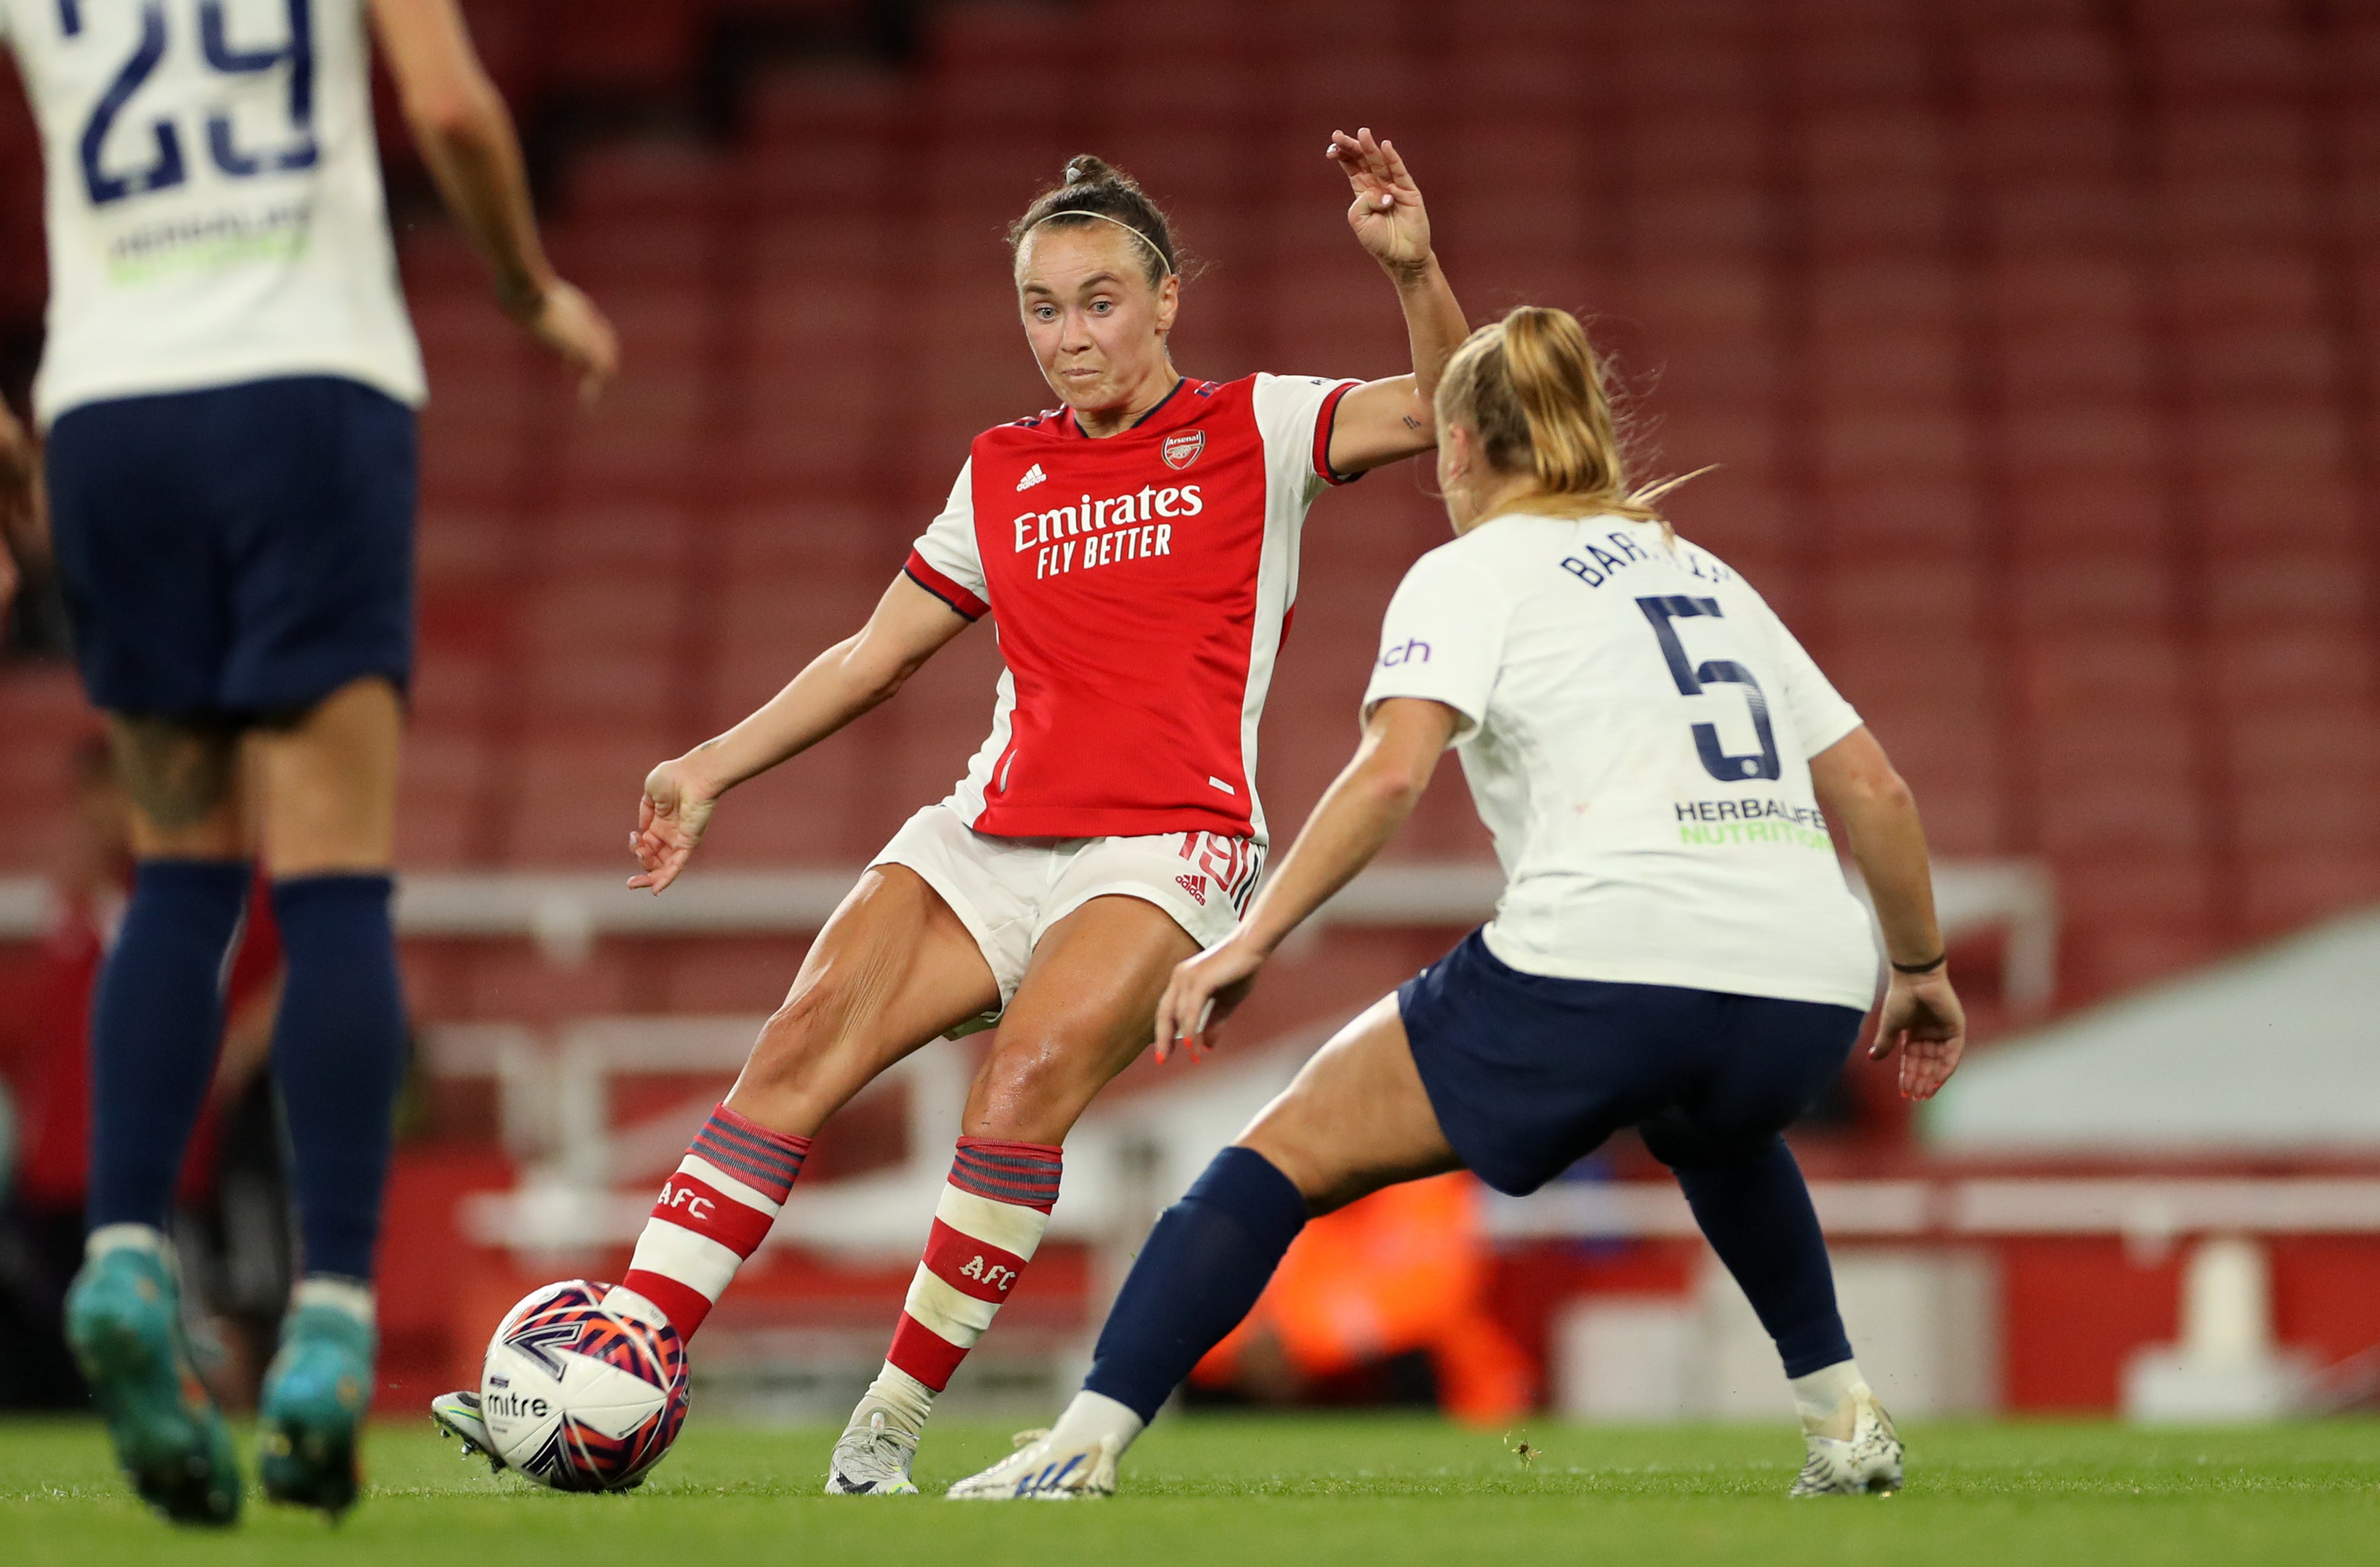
[
  {"x": 910, "y": 626},
  {"x": 1388, "y": 420},
  {"x": 466, "y": 138},
  {"x": 1921, "y": 1018},
  {"x": 1404, "y": 738}
]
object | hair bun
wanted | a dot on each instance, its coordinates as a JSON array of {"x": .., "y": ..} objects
[{"x": 1084, "y": 168}]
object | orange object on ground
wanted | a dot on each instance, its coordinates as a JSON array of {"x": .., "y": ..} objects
[{"x": 1403, "y": 1270}]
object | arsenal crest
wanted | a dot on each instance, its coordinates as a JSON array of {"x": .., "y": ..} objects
[{"x": 1180, "y": 451}]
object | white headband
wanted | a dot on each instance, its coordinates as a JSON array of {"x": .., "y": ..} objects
[{"x": 1079, "y": 212}]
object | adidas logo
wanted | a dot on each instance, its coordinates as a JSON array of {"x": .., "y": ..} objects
[
  {"x": 1194, "y": 885},
  {"x": 1033, "y": 475}
]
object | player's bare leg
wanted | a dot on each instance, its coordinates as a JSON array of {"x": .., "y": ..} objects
[
  {"x": 1081, "y": 1015},
  {"x": 1356, "y": 1119},
  {"x": 327, "y": 783},
  {"x": 892, "y": 969}
]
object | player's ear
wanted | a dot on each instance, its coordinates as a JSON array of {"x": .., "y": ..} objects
[
  {"x": 1458, "y": 453},
  {"x": 1168, "y": 300}
]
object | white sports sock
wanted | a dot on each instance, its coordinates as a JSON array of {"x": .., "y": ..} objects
[
  {"x": 1819, "y": 1395},
  {"x": 126, "y": 1237},
  {"x": 909, "y": 1400},
  {"x": 337, "y": 1293},
  {"x": 1093, "y": 1419}
]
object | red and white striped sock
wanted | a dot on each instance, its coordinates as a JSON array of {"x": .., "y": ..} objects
[
  {"x": 712, "y": 1215},
  {"x": 986, "y": 1227}
]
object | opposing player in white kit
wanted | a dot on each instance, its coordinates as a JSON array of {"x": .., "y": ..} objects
[
  {"x": 1675, "y": 949},
  {"x": 1137, "y": 548},
  {"x": 227, "y": 392}
]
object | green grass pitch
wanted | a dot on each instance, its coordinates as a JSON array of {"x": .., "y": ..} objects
[{"x": 1311, "y": 1492}]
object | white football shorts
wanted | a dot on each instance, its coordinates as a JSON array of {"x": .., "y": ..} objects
[{"x": 1007, "y": 891}]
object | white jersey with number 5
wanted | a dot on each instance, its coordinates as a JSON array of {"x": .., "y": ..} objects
[
  {"x": 214, "y": 202},
  {"x": 1637, "y": 725}
]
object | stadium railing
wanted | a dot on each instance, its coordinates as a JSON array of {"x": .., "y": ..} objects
[{"x": 564, "y": 912}]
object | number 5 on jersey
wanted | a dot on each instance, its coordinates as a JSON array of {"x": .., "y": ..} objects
[{"x": 1664, "y": 613}]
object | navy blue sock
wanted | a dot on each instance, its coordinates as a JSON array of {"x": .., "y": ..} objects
[
  {"x": 1756, "y": 1214},
  {"x": 156, "y": 1023},
  {"x": 1202, "y": 1268},
  {"x": 338, "y": 1054}
]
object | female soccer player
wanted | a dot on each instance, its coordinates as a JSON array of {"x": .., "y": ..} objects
[
  {"x": 227, "y": 386},
  {"x": 1137, "y": 548},
  {"x": 1675, "y": 950}
]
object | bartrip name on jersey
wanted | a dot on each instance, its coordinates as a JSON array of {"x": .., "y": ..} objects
[
  {"x": 1100, "y": 533},
  {"x": 1601, "y": 565},
  {"x": 1705, "y": 823}
]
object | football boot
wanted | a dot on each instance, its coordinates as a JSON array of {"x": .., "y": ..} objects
[
  {"x": 457, "y": 1414},
  {"x": 124, "y": 1323},
  {"x": 873, "y": 1456},
  {"x": 309, "y": 1418},
  {"x": 1856, "y": 1452},
  {"x": 1046, "y": 1467}
]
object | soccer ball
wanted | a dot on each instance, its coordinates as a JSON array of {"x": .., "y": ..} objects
[{"x": 584, "y": 1388}]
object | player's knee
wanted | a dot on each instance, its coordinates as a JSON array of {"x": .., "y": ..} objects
[
  {"x": 178, "y": 774},
  {"x": 1030, "y": 1094},
  {"x": 1277, "y": 1140},
  {"x": 798, "y": 1037}
]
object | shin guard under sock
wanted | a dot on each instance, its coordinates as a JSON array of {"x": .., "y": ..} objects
[
  {"x": 1201, "y": 1270},
  {"x": 1756, "y": 1215},
  {"x": 338, "y": 1058},
  {"x": 713, "y": 1214},
  {"x": 156, "y": 1025},
  {"x": 987, "y": 1227}
]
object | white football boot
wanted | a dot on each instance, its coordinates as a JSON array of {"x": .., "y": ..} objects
[
  {"x": 1854, "y": 1453},
  {"x": 457, "y": 1414},
  {"x": 1075, "y": 1458},
  {"x": 1046, "y": 1470},
  {"x": 873, "y": 1456}
]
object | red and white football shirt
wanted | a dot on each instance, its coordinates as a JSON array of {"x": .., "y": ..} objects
[{"x": 1141, "y": 585}]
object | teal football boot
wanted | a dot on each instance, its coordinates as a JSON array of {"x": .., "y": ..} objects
[
  {"x": 311, "y": 1418},
  {"x": 124, "y": 1321}
]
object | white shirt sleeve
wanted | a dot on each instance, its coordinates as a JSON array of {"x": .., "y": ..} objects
[
  {"x": 945, "y": 560},
  {"x": 1294, "y": 414},
  {"x": 1443, "y": 638},
  {"x": 1821, "y": 716}
]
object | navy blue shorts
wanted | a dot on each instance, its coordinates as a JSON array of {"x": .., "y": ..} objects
[
  {"x": 238, "y": 552},
  {"x": 1529, "y": 1074}
]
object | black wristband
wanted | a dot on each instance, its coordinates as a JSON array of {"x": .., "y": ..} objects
[{"x": 1926, "y": 967}]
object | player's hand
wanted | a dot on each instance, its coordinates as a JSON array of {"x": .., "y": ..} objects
[
  {"x": 1205, "y": 990},
  {"x": 1387, "y": 214},
  {"x": 570, "y": 326},
  {"x": 670, "y": 820},
  {"x": 1923, "y": 1020}
]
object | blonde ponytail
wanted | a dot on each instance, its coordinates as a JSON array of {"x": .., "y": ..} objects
[{"x": 1532, "y": 386}]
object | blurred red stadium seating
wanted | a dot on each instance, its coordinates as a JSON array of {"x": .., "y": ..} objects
[{"x": 2041, "y": 352}]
